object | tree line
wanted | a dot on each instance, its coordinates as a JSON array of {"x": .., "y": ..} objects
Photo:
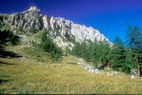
[{"x": 120, "y": 57}]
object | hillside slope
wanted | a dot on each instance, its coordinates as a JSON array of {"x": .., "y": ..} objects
[{"x": 27, "y": 70}]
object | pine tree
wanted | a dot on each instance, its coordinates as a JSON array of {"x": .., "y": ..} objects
[
  {"x": 101, "y": 53},
  {"x": 118, "y": 56},
  {"x": 76, "y": 49},
  {"x": 104, "y": 52},
  {"x": 134, "y": 40}
]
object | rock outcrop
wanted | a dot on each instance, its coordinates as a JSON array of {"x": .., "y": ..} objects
[
  {"x": 28, "y": 20},
  {"x": 62, "y": 31}
]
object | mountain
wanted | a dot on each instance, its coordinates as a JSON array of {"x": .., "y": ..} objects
[{"x": 63, "y": 32}]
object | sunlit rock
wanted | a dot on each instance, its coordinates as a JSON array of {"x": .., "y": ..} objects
[{"x": 63, "y": 32}]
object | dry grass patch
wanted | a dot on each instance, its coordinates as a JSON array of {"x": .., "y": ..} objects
[{"x": 32, "y": 77}]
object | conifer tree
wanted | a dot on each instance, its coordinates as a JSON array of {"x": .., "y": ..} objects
[
  {"x": 104, "y": 52},
  {"x": 118, "y": 56},
  {"x": 134, "y": 40}
]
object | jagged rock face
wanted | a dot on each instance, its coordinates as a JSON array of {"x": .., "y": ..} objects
[
  {"x": 75, "y": 31},
  {"x": 62, "y": 31},
  {"x": 27, "y": 20}
]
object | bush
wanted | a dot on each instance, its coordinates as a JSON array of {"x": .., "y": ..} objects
[
  {"x": 6, "y": 36},
  {"x": 49, "y": 46}
]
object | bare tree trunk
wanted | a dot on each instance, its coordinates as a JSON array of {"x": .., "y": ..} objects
[
  {"x": 108, "y": 65},
  {"x": 139, "y": 71},
  {"x": 138, "y": 67}
]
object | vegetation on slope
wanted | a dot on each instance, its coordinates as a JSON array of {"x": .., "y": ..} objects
[
  {"x": 118, "y": 57},
  {"x": 26, "y": 69},
  {"x": 7, "y": 36},
  {"x": 49, "y": 46},
  {"x": 29, "y": 75}
]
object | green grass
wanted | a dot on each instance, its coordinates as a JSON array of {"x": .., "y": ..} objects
[{"x": 62, "y": 77}]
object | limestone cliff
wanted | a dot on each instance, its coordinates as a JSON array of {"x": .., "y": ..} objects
[{"x": 62, "y": 31}]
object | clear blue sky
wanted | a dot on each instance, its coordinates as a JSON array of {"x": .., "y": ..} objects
[{"x": 110, "y": 17}]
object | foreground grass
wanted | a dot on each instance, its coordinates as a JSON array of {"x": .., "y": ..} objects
[{"x": 36, "y": 75}]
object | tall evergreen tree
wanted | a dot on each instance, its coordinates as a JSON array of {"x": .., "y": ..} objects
[
  {"x": 118, "y": 56},
  {"x": 134, "y": 40},
  {"x": 94, "y": 53},
  {"x": 118, "y": 41},
  {"x": 104, "y": 49}
]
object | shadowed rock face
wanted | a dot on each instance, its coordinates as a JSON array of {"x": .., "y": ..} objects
[
  {"x": 1, "y": 19},
  {"x": 61, "y": 30}
]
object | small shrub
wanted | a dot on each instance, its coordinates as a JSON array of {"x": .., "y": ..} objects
[
  {"x": 7, "y": 36},
  {"x": 49, "y": 46}
]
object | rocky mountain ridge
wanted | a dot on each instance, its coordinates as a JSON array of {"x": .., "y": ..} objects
[{"x": 62, "y": 31}]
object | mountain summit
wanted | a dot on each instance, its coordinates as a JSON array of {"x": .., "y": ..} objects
[
  {"x": 33, "y": 8},
  {"x": 63, "y": 32}
]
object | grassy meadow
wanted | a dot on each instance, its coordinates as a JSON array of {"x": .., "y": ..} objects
[{"x": 34, "y": 72}]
